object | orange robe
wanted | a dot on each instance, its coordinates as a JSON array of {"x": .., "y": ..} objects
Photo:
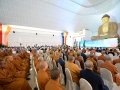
[
  {"x": 18, "y": 65},
  {"x": 7, "y": 82},
  {"x": 95, "y": 65},
  {"x": 101, "y": 57},
  {"x": 81, "y": 61},
  {"x": 74, "y": 70},
  {"x": 14, "y": 71},
  {"x": 42, "y": 78},
  {"x": 52, "y": 56},
  {"x": 113, "y": 69},
  {"x": 55, "y": 58},
  {"x": 53, "y": 85},
  {"x": 116, "y": 61}
]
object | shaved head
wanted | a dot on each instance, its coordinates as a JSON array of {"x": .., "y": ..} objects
[
  {"x": 40, "y": 59},
  {"x": 89, "y": 64},
  {"x": 43, "y": 64},
  {"x": 91, "y": 55},
  {"x": 55, "y": 73},
  {"x": 107, "y": 58},
  {"x": 70, "y": 58}
]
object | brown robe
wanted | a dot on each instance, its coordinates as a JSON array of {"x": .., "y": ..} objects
[
  {"x": 113, "y": 69},
  {"x": 42, "y": 78},
  {"x": 56, "y": 58},
  {"x": 95, "y": 69},
  {"x": 8, "y": 82},
  {"x": 53, "y": 85},
  {"x": 101, "y": 57},
  {"x": 74, "y": 70},
  {"x": 116, "y": 61},
  {"x": 14, "y": 71},
  {"x": 81, "y": 61}
]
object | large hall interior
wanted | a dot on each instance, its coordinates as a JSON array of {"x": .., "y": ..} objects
[{"x": 59, "y": 44}]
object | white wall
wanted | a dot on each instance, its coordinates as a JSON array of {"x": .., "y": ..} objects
[
  {"x": 88, "y": 35},
  {"x": 29, "y": 38},
  {"x": 69, "y": 39}
]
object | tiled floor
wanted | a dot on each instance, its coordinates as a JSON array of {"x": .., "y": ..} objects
[{"x": 32, "y": 82}]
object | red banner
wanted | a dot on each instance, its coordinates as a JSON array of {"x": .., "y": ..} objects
[{"x": 0, "y": 33}]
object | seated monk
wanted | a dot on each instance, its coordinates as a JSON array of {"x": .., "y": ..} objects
[
  {"x": 94, "y": 57},
  {"x": 11, "y": 68},
  {"x": 42, "y": 76},
  {"x": 54, "y": 82},
  {"x": 24, "y": 63},
  {"x": 52, "y": 54},
  {"x": 36, "y": 59},
  {"x": 18, "y": 64},
  {"x": 80, "y": 60},
  {"x": 56, "y": 57},
  {"x": 40, "y": 59},
  {"x": 101, "y": 57},
  {"x": 95, "y": 69},
  {"x": 107, "y": 30},
  {"x": 8, "y": 82},
  {"x": 113, "y": 69},
  {"x": 116, "y": 61},
  {"x": 74, "y": 69}
]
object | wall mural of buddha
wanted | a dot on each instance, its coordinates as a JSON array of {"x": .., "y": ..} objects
[{"x": 107, "y": 29}]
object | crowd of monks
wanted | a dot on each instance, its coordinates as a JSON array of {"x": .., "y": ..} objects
[
  {"x": 14, "y": 68},
  {"x": 72, "y": 54}
]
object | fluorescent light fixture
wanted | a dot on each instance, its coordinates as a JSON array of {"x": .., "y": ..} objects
[{"x": 36, "y": 29}]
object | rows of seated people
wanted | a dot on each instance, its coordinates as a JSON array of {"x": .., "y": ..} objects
[
  {"x": 14, "y": 69},
  {"x": 49, "y": 79}
]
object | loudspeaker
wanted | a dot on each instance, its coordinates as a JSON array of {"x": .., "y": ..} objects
[
  {"x": 53, "y": 35},
  {"x": 36, "y": 33},
  {"x": 13, "y": 31}
]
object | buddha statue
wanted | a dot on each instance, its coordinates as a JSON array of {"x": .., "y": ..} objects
[{"x": 107, "y": 30}]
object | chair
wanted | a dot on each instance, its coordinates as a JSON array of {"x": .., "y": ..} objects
[
  {"x": 62, "y": 77},
  {"x": 85, "y": 85},
  {"x": 70, "y": 85},
  {"x": 99, "y": 63},
  {"x": 111, "y": 55},
  {"x": 115, "y": 57},
  {"x": 50, "y": 64},
  {"x": 37, "y": 84},
  {"x": 54, "y": 64},
  {"x": 118, "y": 67},
  {"x": 65, "y": 58},
  {"x": 78, "y": 63},
  {"x": 108, "y": 80}
]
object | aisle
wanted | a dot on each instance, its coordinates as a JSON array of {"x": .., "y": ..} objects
[{"x": 32, "y": 77}]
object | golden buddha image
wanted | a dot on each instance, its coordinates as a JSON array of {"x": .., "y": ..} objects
[{"x": 107, "y": 29}]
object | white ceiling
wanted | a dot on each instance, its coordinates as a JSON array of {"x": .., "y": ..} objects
[{"x": 67, "y": 15}]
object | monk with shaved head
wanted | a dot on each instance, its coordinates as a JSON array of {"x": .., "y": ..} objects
[
  {"x": 54, "y": 82},
  {"x": 74, "y": 69},
  {"x": 42, "y": 75},
  {"x": 40, "y": 59},
  {"x": 94, "y": 79},
  {"x": 112, "y": 68}
]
